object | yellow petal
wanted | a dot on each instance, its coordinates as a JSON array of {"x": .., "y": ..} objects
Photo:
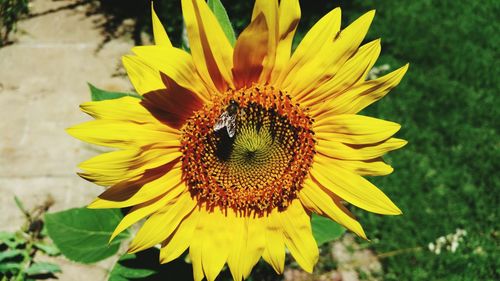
[
  {"x": 133, "y": 110},
  {"x": 209, "y": 45},
  {"x": 372, "y": 167},
  {"x": 141, "y": 189},
  {"x": 138, "y": 212},
  {"x": 122, "y": 109},
  {"x": 296, "y": 225},
  {"x": 112, "y": 167},
  {"x": 274, "y": 252},
  {"x": 159, "y": 33},
  {"x": 255, "y": 244},
  {"x": 177, "y": 65},
  {"x": 216, "y": 236},
  {"x": 289, "y": 16},
  {"x": 196, "y": 247},
  {"x": 123, "y": 134},
  {"x": 357, "y": 98},
  {"x": 317, "y": 200},
  {"x": 269, "y": 9},
  {"x": 336, "y": 149},
  {"x": 237, "y": 246},
  {"x": 144, "y": 77},
  {"x": 180, "y": 240},
  {"x": 316, "y": 38},
  {"x": 354, "y": 129},
  {"x": 161, "y": 224},
  {"x": 105, "y": 172},
  {"x": 249, "y": 53},
  {"x": 351, "y": 187},
  {"x": 353, "y": 72},
  {"x": 329, "y": 59}
]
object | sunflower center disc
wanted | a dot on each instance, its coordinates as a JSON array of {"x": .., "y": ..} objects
[{"x": 260, "y": 167}]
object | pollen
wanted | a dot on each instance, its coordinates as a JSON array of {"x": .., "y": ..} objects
[{"x": 262, "y": 166}]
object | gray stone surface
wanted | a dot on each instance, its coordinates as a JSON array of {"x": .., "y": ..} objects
[{"x": 42, "y": 81}]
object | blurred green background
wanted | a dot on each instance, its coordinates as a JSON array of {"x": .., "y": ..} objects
[{"x": 446, "y": 178}]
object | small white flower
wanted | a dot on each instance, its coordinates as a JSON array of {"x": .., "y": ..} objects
[
  {"x": 449, "y": 242},
  {"x": 441, "y": 240}
]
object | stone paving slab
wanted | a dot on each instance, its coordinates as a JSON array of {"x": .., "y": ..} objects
[
  {"x": 43, "y": 79},
  {"x": 68, "y": 192}
]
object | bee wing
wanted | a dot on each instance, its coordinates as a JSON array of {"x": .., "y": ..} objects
[
  {"x": 231, "y": 126},
  {"x": 221, "y": 121}
]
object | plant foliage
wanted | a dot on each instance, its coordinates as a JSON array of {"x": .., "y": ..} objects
[
  {"x": 83, "y": 234},
  {"x": 10, "y": 13},
  {"x": 18, "y": 249}
]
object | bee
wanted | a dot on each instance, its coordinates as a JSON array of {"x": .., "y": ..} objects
[{"x": 228, "y": 119}]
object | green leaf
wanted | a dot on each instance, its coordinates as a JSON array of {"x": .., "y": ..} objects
[
  {"x": 82, "y": 234},
  {"x": 9, "y": 267},
  {"x": 127, "y": 268},
  {"x": 43, "y": 233},
  {"x": 99, "y": 94},
  {"x": 221, "y": 15},
  {"x": 144, "y": 265},
  {"x": 9, "y": 254},
  {"x": 12, "y": 240},
  {"x": 5, "y": 236},
  {"x": 325, "y": 230},
  {"x": 50, "y": 250},
  {"x": 42, "y": 268}
]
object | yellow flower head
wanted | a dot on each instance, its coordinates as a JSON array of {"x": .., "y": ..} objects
[{"x": 230, "y": 150}]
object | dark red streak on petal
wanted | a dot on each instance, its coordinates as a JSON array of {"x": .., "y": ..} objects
[{"x": 172, "y": 105}]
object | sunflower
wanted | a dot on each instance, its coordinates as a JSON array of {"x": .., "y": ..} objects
[{"x": 231, "y": 149}]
